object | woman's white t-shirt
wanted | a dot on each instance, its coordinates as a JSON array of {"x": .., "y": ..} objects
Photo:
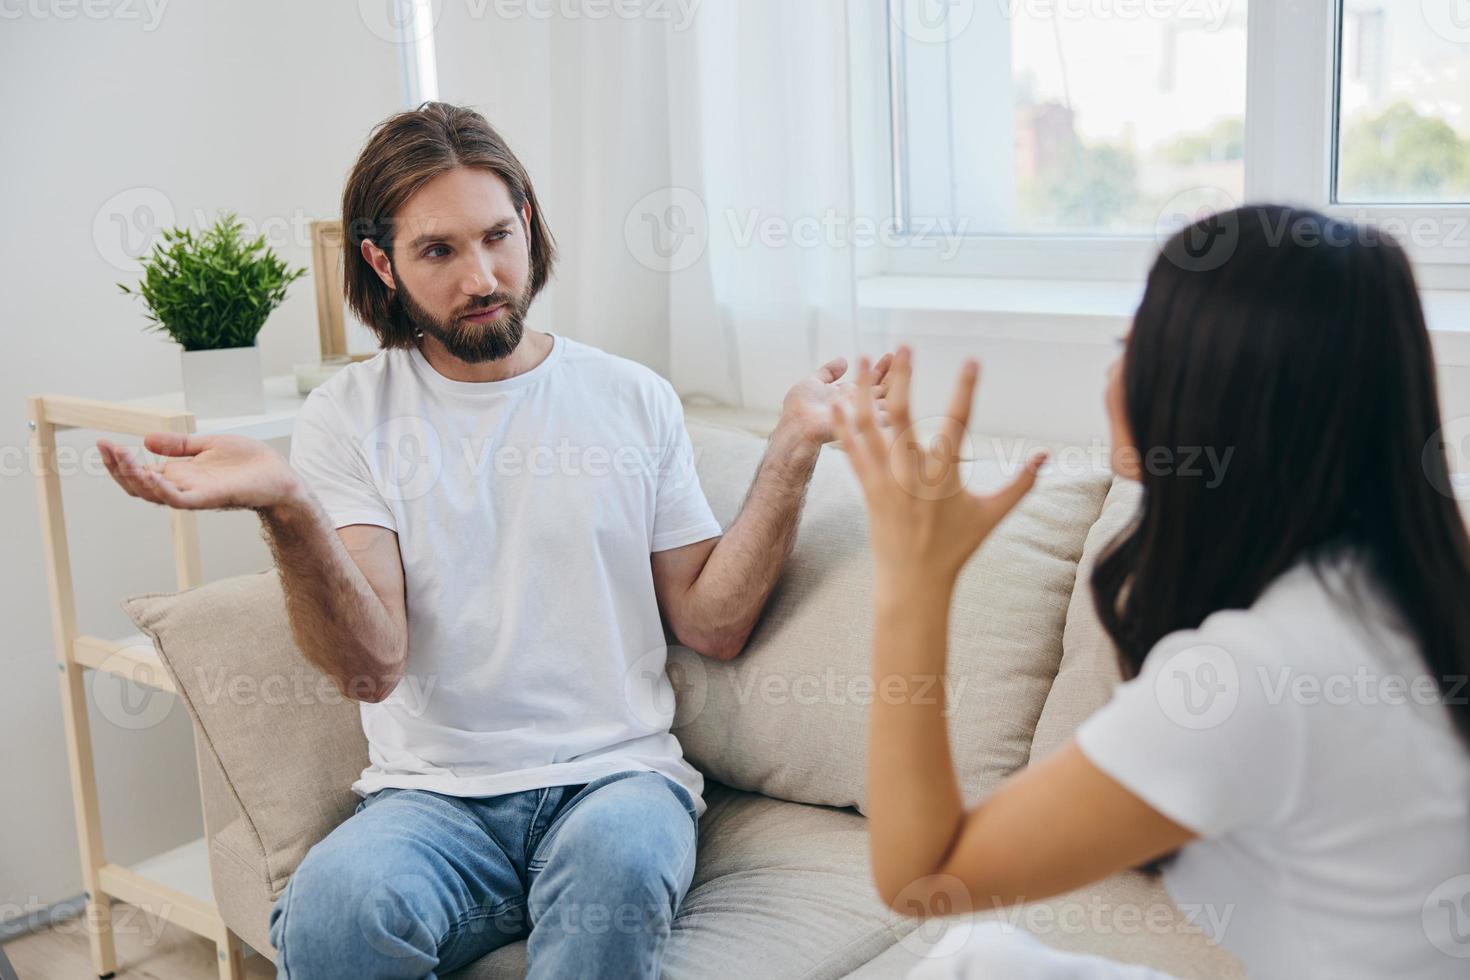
[
  {"x": 526, "y": 512},
  {"x": 1315, "y": 757}
]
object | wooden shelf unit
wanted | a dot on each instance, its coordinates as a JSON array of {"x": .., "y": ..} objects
[{"x": 174, "y": 885}]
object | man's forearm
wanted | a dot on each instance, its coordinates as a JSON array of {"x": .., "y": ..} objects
[
  {"x": 730, "y": 592},
  {"x": 339, "y": 623}
]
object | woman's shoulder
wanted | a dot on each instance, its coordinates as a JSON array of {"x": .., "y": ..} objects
[
  {"x": 1318, "y": 624},
  {"x": 1331, "y": 611}
]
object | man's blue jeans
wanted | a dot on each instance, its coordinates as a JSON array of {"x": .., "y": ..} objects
[{"x": 416, "y": 883}]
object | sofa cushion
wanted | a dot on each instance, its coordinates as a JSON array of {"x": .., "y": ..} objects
[
  {"x": 788, "y": 717},
  {"x": 1089, "y": 668},
  {"x": 287, "y": 742},
  {"x": 780, "y": 890}
]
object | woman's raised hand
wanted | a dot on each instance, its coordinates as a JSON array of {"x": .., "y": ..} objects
[{"x": 923, "y": 523}]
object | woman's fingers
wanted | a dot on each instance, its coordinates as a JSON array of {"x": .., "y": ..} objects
[
  {"x": 958, "y": 414},
  {"x": 866, "y": 415},
  {"x": 1005, "y": 499},
  {"x": 897, "y": 400},
  {"x": 856, "y": 451},
  {"x": 862, "y": 394}
]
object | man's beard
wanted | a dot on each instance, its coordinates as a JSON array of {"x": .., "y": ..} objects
[{"x": 471, "y": 342}]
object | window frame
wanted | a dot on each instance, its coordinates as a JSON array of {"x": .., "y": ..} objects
[{"x": 418, "y": 65}]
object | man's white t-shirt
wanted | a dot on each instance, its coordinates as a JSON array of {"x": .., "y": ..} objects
[
  {"x": 1311, "y": 751},
  {"x": 526, "y": 511}
]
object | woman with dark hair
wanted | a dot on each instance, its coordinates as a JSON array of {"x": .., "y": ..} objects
[{"x": 1291, "y": 743}]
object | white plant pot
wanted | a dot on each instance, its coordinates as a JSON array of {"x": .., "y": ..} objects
[{"x": 223, "y": 382}]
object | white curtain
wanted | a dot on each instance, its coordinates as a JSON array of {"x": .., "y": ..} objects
[
  {"x": 760, "y": 175},
  {"x": 696, "y": 172},
  {"x": 582, "y": 102}
]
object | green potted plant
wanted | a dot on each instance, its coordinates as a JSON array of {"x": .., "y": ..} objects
[{"x": 211, "y": 293}]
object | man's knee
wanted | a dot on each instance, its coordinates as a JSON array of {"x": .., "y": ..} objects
[
  {"x": 624, "y": 883},
  {"x": 637, "y": 904},
  {"x": 344, "y": 913}
]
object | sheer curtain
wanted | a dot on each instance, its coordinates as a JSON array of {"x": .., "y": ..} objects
[
  {"x": 696, "y": 172},
  {"x": 754, "y": 228}
]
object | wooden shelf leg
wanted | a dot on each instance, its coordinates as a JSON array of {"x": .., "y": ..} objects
[
  {"x": 89, "y": 820},
  {"x": 73, "y": 690},
  {"x": 231, "y": 957}
]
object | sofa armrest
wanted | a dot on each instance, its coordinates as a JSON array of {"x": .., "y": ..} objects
[{"x": 278, "y": 746}]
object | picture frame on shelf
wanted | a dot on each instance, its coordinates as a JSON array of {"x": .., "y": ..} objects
[{"x": 341, "y": 333}]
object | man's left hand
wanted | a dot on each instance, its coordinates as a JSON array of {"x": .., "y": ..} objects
[{"x": 807, "y": 410}]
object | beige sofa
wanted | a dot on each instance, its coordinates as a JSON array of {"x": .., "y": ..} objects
[{"x": 782, "y": 886}]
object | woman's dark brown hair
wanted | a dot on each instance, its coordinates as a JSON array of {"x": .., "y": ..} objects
[
  {"x": 1297, "y": 342},
  {"x": 403, "y": 153}
]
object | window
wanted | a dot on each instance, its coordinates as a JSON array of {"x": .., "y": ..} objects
[
  {"x": 1024, "y": 118},
  {"x": 1403, "y": 127},
  {"x": 1062, "y": 139}
]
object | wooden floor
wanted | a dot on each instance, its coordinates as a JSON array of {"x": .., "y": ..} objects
[{"x": 145, "y": 951}]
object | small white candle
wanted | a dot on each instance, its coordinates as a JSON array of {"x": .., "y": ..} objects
[{"x": 310, "y": 375}]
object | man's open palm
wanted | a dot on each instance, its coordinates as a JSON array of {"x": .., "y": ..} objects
[
  {"x": 810, "y": 402},
  {"x": 207, "y": 472}
]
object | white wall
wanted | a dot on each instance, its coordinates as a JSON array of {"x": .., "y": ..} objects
[
  {"x": 582, "y": 102},
  {"x": 254, "y": 106}
]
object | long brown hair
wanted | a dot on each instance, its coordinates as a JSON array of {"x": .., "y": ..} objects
[
  {"x": 1300, "y": 346},
  {"x": 403, "y": 153}
]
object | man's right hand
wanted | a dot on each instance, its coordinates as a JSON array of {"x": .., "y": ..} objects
[{"x": 206, "y": 472}]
